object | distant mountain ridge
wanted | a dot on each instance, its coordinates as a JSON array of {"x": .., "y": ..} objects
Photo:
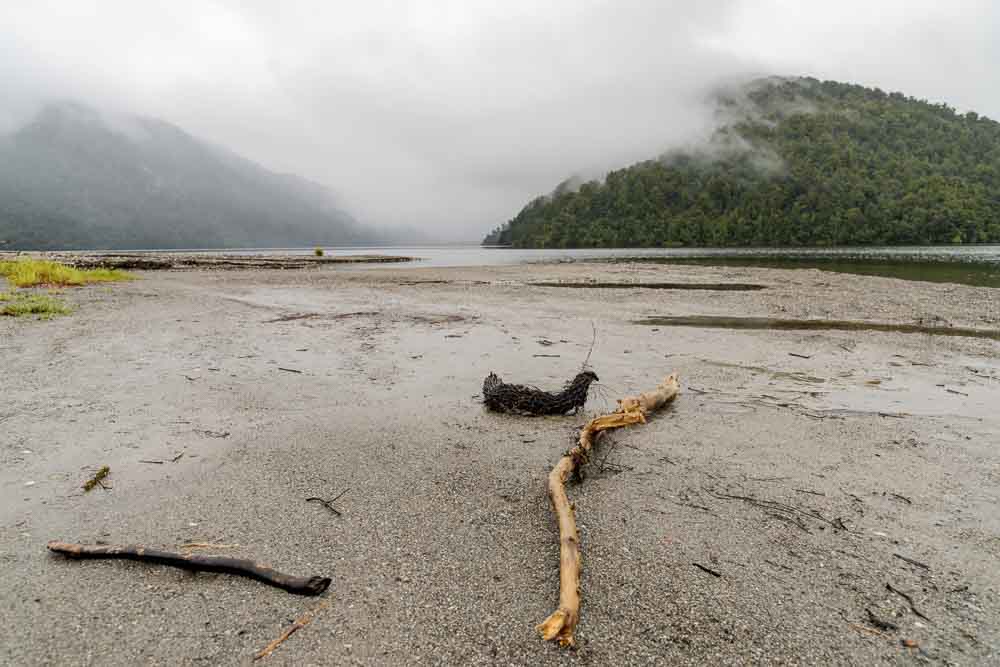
[
  {"x": 76, "y": 178},
  {"x": 795, "y": 162}
]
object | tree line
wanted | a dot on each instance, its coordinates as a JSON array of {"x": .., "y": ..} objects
[{"x": 802, "y": 163}]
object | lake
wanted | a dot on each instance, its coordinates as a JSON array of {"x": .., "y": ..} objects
[{"x": 968, "y": 265}]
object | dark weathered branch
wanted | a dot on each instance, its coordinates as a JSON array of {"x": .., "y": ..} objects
[{"x": 198, "y": 563}]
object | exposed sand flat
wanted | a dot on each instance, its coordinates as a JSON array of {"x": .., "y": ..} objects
[{"x": 809, "y": 484}]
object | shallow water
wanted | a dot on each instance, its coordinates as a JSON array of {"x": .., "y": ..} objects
[
  {"x": 769, "y": 323},
  {"x": 717, "y": 287},
  {"x": 962, "y": 269},
  {"x": 967, "y": 265}
]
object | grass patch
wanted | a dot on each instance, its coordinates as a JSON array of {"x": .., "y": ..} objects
[
  {"x": 22, "y": 305},
  {"x": 31, "y": 272}
]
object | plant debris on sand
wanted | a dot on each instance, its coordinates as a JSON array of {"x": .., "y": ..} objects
[{"x": 523, "y": 400}]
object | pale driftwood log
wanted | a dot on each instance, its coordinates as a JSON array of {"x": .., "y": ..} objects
[{"x": 631, "y": 410}]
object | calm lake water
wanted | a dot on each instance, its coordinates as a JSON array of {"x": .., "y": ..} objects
[{"x": 968, "y": 265}]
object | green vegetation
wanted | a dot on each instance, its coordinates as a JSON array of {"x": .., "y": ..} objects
[
  {"x": 97, "y": 479},
  {"x": 799, "y": 163},
  {"x": 318, "y": 252},
  {"x": 20, "y": 305},
  {"x": 31, "y": 272}
]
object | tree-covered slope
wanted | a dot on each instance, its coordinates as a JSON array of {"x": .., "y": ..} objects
[
  {"x": 77, "y": 178},
  {"x": 796, "y": 162}
]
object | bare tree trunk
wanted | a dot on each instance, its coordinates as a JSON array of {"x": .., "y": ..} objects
[{"x": 631, "y": 410}]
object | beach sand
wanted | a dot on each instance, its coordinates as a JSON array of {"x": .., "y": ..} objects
[{"x": 221, "y": 400}]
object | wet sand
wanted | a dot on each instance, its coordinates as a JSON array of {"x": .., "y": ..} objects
[
  {"x": 221, "y": 400},
  {"x": 166, "y": 260}
]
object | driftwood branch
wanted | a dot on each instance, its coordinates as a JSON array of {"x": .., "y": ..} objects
[
  {"x": 631, "y": 410},
  {"x": 198, "y": 563}
]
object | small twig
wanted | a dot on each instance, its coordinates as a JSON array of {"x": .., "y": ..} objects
[
  {"x": 955, "y": 391},
  {"x": 548, "y": 356},
  {"x": 177, "y": 458},
  {"x": 697, "y": 507},
  {"x": 906, "y": 597},
  {"x": 328, "y": 503},
  {"x": 815, "y": 493},
  {"x": 793, "y": 520},
  {"x": 288, "y": 370},
  {"x": 867, "y": 630},
  {"x": 903, "y": 498},
  {"x": 783, "y": 567},
  {"x": 157, "y": 462},
  {"x": 213, "y": 434},
  {"x": 800, "y": 356},
  {"x": 593, "y": 340},
  {"x": 912, "y": 561},
  {"x": 206, "y": 545},
  {"x": 707, "y": 569},
  {"x": 301, "y": 622},
  {"x": 879, "y": 623}
]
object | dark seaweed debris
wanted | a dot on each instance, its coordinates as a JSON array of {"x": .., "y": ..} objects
[{"x": 524, "y": 400}]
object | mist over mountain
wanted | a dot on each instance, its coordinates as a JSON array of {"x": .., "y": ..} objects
[
  {"x": 77, "y": 178},
  {"x": 794, "y": 162}
]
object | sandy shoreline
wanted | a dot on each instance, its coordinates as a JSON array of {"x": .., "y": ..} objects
[
  {"x": 162, "y": 260},
  {"x": 446, "y": 550}
]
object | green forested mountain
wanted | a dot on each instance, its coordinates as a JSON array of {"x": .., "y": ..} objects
[
  {"x": 74, "y": 177},
  {"x": 797, "y": 162}
]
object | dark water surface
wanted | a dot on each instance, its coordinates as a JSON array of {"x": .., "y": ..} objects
[
  {"x": 768, "y": 323},
  {"x": 966, "y": 265},
  {"x": 962, "y": 269},
  {"x": 715, "y": 287}
]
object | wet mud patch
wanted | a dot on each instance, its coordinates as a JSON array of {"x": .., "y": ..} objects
[
  {"x": 716, "y": 287},
  {"x": 770, "y": 323},
  {"x": 291, "y": 317},
  {"x": 418, "y": 319}
]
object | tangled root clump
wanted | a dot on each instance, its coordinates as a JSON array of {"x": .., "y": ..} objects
[{"x": 524, "y": 400}]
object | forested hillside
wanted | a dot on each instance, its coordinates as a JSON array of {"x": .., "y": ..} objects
[{"x": 796, "y": 162}]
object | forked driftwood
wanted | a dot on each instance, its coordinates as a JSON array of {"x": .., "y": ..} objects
[
  {"x": 199, "y": 563},
  {"x": 631, "y": 410}
]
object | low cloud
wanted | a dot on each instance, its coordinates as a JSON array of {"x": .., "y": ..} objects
[{"x": 451, "y": 115}]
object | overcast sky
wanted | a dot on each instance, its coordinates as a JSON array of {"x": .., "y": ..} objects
[{"x": 453, "y": 114}]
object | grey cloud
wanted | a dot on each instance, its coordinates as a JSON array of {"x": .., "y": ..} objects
[{"x": 451, "y": 115}]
